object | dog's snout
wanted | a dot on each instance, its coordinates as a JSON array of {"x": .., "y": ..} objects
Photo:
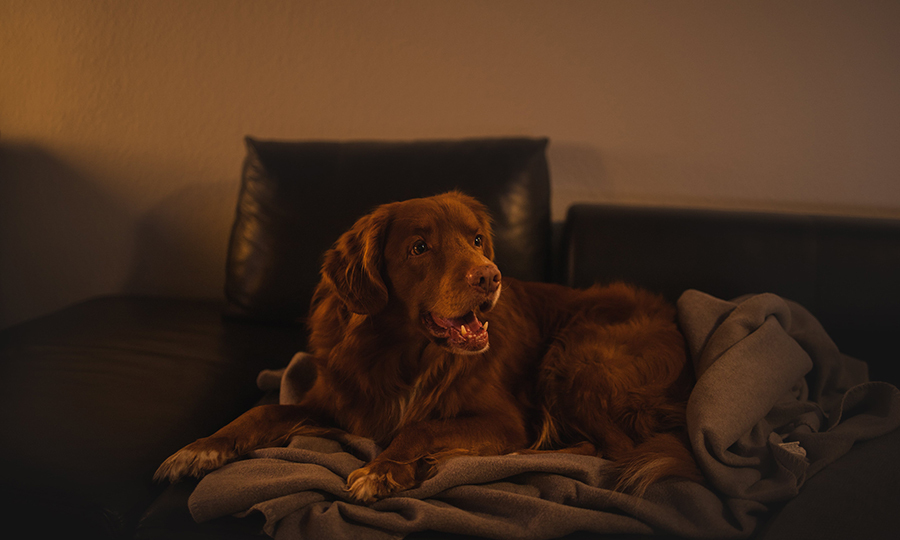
[{"x": 486, "y": 278}]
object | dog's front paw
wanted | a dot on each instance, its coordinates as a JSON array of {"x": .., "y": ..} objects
[
  {"x": 380, "y": 479},
  {"x": 196, "y": 459}
]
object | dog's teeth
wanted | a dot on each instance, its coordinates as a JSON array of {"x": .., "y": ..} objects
[
  {"x": 463, "y": 330},
  {"x": 485, "y": 325}
]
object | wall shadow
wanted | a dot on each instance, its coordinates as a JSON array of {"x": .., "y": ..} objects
[
  {"x": 61, "y": 237},
  {"x": 180, "y": 244}
]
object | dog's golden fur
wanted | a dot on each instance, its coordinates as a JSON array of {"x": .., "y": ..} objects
[{"x": 421, "y": 345}]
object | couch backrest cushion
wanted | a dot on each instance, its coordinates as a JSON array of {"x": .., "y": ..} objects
[
  {"x": 725, "y": 254},
  {"x": 844, "y": 270},
  {"x": 297, "y": 197}
]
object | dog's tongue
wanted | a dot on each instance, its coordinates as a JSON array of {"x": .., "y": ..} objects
[{"x": 465, "y": 333}]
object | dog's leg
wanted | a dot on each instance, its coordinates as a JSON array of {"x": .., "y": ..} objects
[
  {"x": 266, "y": 425},
  {"x": 422, "y": 444}
]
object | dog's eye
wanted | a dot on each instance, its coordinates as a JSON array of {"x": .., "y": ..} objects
[
  {"x": 418, "y": 248},
  {"x": 479, "y": 241}
]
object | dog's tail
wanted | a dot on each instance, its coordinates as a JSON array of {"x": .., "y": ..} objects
[{"x": 660, "y": 456}]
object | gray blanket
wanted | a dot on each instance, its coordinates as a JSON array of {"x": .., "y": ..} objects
[{"x": 775, "y": 401}]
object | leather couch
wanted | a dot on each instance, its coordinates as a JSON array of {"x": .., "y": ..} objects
[{"x": 96, "y": 395}]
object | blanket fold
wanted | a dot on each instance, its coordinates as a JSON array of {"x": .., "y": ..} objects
[{"x": 775, "y": 402}]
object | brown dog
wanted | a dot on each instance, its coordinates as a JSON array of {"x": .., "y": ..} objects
[{"x": 399, "y": 329}]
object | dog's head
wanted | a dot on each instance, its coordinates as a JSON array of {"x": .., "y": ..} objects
[{"x": 430, "y": 259}]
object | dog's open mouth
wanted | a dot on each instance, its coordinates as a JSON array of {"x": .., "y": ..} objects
[{"x": 465, "y": 333}]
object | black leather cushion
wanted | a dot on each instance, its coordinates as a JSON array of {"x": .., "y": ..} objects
[
  {"x": 298, "y": 197},
  {"x": 858, "y": 289},
  {"x": 94, "y": 397},
  {"x": 844, "y": 270},
  {"x": 670, "y": 250}
]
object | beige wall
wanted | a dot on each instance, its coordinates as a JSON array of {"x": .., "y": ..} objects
[{"x": 121, "y": 122}]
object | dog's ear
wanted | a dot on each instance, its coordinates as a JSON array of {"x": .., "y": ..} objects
[{"x": 354, "y": 264}]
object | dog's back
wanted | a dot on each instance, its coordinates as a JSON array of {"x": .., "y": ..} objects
[{"x": 617, "y": 375}]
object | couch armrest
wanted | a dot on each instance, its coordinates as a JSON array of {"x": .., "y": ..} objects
[{"x": 95, "y": 396}]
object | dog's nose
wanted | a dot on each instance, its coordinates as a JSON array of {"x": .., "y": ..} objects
[{"x": 486, "y": 278}]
